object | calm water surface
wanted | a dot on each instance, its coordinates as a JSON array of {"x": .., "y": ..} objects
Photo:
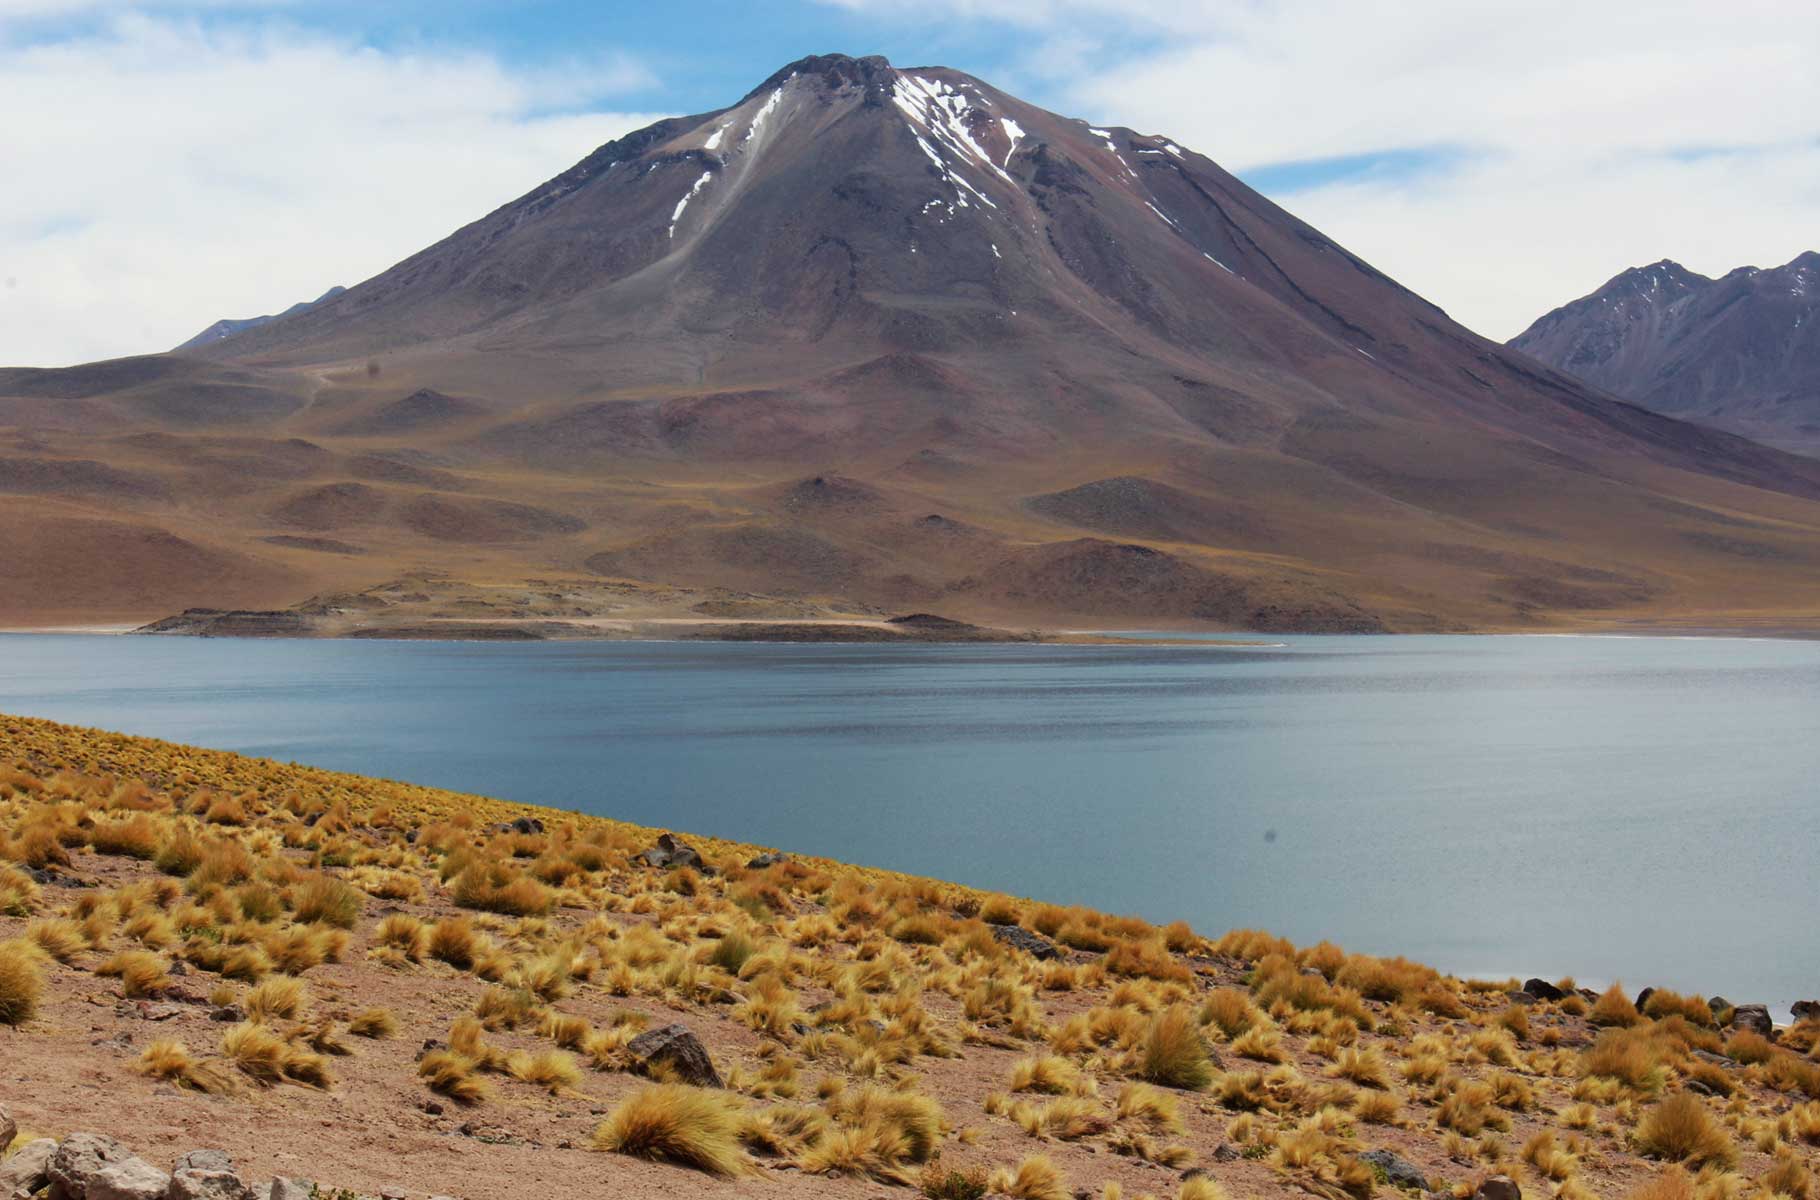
[{"x": 1642, "y": 809}]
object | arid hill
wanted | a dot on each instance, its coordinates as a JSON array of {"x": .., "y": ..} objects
[{"x": 878, "y": 340}]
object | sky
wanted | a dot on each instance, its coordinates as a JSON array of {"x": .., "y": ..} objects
[{"x": 164, "y": 164}]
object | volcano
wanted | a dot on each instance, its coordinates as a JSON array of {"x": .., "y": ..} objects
[{"x": 881, "y": 339}]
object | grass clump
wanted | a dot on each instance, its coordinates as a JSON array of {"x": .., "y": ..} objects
[
  {"x": 325, "y": 900},
  {"x": 169, "y": 1059},
  {"x": 672, "y": 1122}
]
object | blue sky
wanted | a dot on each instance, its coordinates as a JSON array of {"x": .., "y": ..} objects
[{"x": 205, "y": 158}]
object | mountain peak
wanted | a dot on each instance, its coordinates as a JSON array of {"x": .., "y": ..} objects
[{"x": 839, "y": 70}]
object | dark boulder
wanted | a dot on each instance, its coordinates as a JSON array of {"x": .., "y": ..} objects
[
  {"x": 1541, "y": 989},
  {"x": 1018, "y": 938},
  {"x": 1643, "y": 997},
  {"x": 1805, "y": 1010},
  {"x": 1754, "y": 1017},
  {"x": 674, "y": 1051},
  {"x": 769, "y": 858},
  {"x": 1498, "y": 1187},
  {"x": 1397, "y": 1170},
  {"x": 527, "y": 825}
]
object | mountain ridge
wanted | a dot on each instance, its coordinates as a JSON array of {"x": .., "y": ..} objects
[
  {"x": 1737, "y": 352},
  {"x": 1129, "y": 388}
]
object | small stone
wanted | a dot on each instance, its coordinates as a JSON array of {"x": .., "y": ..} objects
[
  {"x": 679, "y": 1051},
  {"x": 398, "y": 1193},
  {"x": 433, "y": 1107},
  {"x": 9, "y": 1129},
  {"x": 1499, "y": 1187},
  {"x": 1523, "y": 998},
  {"x": 769, "y": 858},
  {"x": 1226, "y": 1152},
  {"x": 291, "y": 1189},
  {"x": 227, "y": 1013},
  {"x": 1398, "y": 1171}
]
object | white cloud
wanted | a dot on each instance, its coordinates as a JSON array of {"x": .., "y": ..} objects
[
  {"x": 162, "y": 174},
  {"x": 1571, "y": 113}
]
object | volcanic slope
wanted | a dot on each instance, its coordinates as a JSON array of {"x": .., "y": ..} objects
[
  {"x": 877, "y": 339},
  {"x": 1741, "y": 352}
]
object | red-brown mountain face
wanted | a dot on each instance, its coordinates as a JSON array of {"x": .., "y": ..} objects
[
  {"x": 1741, "y": 352},
  {"x": 881, "y": 339}
]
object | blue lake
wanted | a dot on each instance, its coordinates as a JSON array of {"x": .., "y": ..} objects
[{"x": 1633, "y": 808}]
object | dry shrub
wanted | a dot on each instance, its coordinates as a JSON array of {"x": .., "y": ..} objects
[
  {"x": 323, "y": 899},
  {"x": 1681, "y": 1128},
  {"x": 1036, "y": 1178},
  {"x": 170, "y": 1060},
  {"x": 21, "y": 982},
  {"x": 671, "y": 1122},
  {"x": 136, "y": 837},
  {"x": 1173, "y": 1053},
  {"x": 1614, "y": 1008},
  {"x": 141, "y": 972},
  {"x": 454, "y": 1075},
  {"x": 494, "y": 888},
  {"x": 1627, "y": 1056}
]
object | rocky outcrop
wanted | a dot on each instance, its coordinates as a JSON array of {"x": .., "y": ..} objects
[
  {"x": 1805, "y": 1010},
  {"x": 92, "y": 1166},
  {"x": 674, "y": 1051},
  {"x": 669, "y": 854},
  {"x": 1754, "y": 1017}
]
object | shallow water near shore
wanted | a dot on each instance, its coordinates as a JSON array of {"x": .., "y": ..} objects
[{"x": 1637, "y": 808}]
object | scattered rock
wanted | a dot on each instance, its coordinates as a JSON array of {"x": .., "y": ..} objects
[
  {"x": 527, "y": 825},
  {"x": 204, "y": 1183},
  {"x": 678, "y": 1050},
  {"x": 9, "y": 1128},
  {"x": 1754, "y": 1017},
  {"x": 1588, "y": 995},
  {"x": 1541, "y": 989},
  {"x": 670, "y": 853},
  {"x": 1018, "y": 938},
  {"x": 291, "y": 1189},
  {"x": 433, "y": 1107},
  {"x": 1398, "y": 1171},
  {"x": 1643, "y": 997},
  {"x": 203, "y": 1160},
  {"x": 1805, "y": 1010},
  {"x": 1523, "y": 998},
  {"x": 158, "y": 1012},
  {"x": 1226, "y": 1152},
  {"x": 227, "y": 1013},
  {"x": 1718, "y": 1004},
  {"x": 130, "y": 1178},
  {"x": 1499, "y": 1187},
  {"x": 80, "y": 1156},
  {"x": 1704, "y": 1089},
  {"x": 1718, "y": 1060},
  {"x": 769, "y": 858},
  {"x": 27, "y": 1169}
]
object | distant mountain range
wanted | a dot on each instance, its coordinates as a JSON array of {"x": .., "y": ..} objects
[
  {"x": 1741, "y": 352},
  {"x": 892, "y": 340},
  {"x": 228, "y": 326}
]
